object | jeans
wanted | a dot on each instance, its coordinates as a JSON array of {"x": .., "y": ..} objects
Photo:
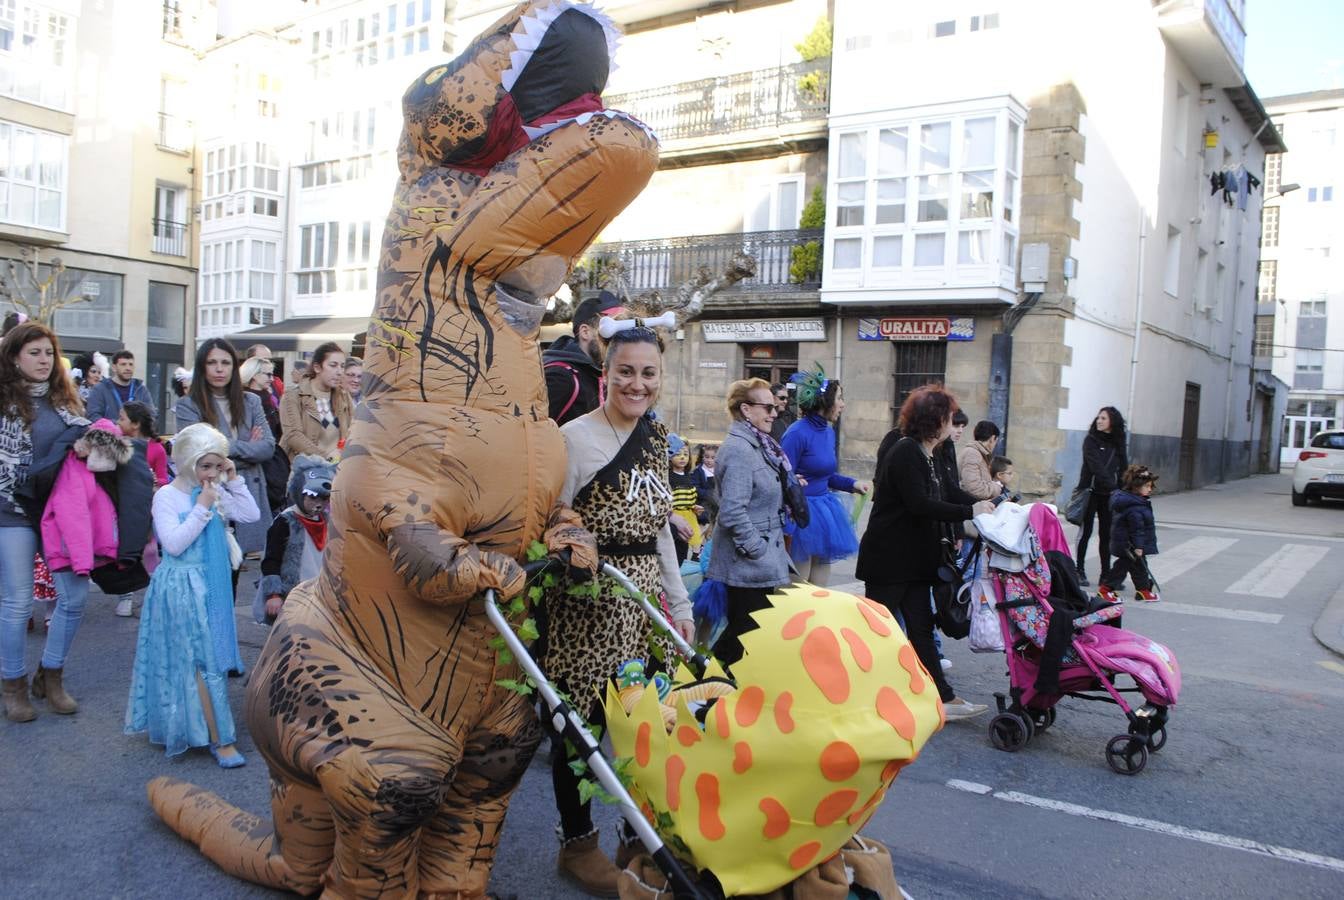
[
  {"x": 17, "y": 548},
  {"x": 910, "y": 602}
]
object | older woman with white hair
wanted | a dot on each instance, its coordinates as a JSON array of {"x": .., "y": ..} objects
[{"x": 188, "y": 640}]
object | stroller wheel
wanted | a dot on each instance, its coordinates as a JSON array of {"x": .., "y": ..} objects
[
  {"x": 1158, "y": 739},
  {"x": 1127, "y": 754},
  {"x": 1042, "y": 718},
  {"x": 1009, "y": 732}
]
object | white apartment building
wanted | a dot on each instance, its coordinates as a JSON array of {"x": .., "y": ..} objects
[
  {"x": 299, "y": 175},
  {"x": 962, "y": 132},
  {"x": 1301, "y": 322}
]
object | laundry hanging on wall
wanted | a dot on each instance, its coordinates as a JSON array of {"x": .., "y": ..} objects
[{"x": 1235, "y": 183}]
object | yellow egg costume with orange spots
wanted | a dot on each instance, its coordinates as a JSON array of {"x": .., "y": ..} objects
[
  {"x": 377, "y": 702},
  {"x": 831, "y": 703}
]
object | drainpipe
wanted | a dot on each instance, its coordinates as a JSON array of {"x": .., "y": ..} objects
[{"x": 1138, "y": 319}]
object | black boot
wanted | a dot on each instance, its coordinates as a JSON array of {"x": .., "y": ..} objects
[{"x": 1082, "y": 576}]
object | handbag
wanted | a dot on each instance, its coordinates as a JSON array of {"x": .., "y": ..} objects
[
  {"x": 1076, "y": 509},
  {"x": 986, "y": 636},
  {"x": 795, "y": 499},
  {"x": 235, "y": 551},
  {"x": 952, "y": 594}
]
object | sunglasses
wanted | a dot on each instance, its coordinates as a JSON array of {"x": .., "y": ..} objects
[{"x": 766, "y": 406}]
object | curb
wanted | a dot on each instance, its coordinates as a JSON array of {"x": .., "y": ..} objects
[{"x": 1329, "y": 627}]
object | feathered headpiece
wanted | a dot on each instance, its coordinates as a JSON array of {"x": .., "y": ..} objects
[
  {"x": 811, "y": 387},
  {"x": 182, "y": 376}
]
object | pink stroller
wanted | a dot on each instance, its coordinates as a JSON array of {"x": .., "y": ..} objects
[{"x": 1087, "y": 655}]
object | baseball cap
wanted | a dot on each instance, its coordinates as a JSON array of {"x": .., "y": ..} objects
[{"x": 604, "y": 304}]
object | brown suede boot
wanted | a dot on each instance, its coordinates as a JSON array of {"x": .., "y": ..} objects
[
  {"x": 582, "y": 861},
  {"x": 17, "y": 706},
  {"x": 47, "y": 683}
]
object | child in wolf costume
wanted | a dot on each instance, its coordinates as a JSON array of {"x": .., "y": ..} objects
[
  {"x": 297, "y": 537},
  {"x": 392, "y": 749}
]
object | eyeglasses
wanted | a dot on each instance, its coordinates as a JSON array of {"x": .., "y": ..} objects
[
  {"x": 782, "y": 398},
  {"x": 769, "y": 407}
]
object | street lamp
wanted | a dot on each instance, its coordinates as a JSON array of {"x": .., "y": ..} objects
[{"x": 1283, "y": 189}]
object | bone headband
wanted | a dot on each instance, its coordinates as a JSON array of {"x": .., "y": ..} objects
[{"x": 609, "y": 326}]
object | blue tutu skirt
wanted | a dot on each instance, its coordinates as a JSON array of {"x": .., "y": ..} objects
[
  {"x": 828, "y": 535},
  {"x": 175, "y": 644}
]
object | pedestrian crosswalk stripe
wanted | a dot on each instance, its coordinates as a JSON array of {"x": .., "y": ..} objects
[
  {"x": 1187, "y": 555},
  {"x": 1278, "y": 575},
  {"x": 1212, "y": 612}
]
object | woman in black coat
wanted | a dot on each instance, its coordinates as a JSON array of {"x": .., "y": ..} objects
[
  {"x": 1104, "y": 460},
  {"x": 914, "y": 511}
]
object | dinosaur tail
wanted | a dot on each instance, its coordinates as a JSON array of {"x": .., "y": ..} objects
[{"x": 239, "y": 842}]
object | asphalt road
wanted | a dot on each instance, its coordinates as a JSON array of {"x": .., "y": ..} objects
[{"x": 1245, "y": 800}]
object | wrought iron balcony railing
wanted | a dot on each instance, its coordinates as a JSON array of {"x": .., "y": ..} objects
[
  {"x": 786, "y": 261},
  {"x": 744, "y": 101},
  {"x": 170, "y": 238}
]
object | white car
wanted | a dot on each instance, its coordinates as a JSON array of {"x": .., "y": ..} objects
[{"x": 1320, "y": 469}]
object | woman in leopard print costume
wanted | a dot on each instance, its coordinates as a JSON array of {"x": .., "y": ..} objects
[{"x": 617, "y": 483}]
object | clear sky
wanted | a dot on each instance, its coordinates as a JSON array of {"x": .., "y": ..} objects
[{"x": 1293, "y": 46}]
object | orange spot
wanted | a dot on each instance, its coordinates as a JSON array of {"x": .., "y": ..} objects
[
  {"x": 642, "y": 744},
  {"x": 821, "y": 593},
  {"x": 741, "y": 757},
  {"x": 877, "y": 607},
  {"x": 893, "y": 710},
  {"x": 839, "y": 761},
  {"x": 783, "y": 716},
  {"x": 892, "y": 769},
  {"x": 863, "y": 657},
  {"x": 910, "y": 662},
  {"x": 675, "y": 768},
  {"x": 796, "y": 625},
  {"x": 687, "y": 735},
  {"x": 863, "y": 812},
  {"x": 748, "y": 708},
  {"x": 803, "y": 856},
  {"x": 776, "y": 818},
  {"x": 647, "y": 811},
  {"x": 833, "y": 806},
  {"x": 821, "y": 659},
  {"x": 942, "y": 714},
  {"x": 707, "y": 792},
  {"x": 721, "y": 717},
  {"x": 880, "y": 628}
]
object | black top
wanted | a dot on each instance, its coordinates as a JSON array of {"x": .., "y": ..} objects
[
  {"x": 571, "y": 380},
  {"x": 1104, "y": 461},
  {"x": 913, "y": 509}
]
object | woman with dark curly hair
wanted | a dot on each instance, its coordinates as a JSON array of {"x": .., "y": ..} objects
[
  {"x": 914, "y": 513},
  {"x": 1104, "y": 459}
]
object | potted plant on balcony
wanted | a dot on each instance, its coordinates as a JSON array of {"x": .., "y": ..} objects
[
  {"x": 805, "y": 258},
  {"x": 817, "y": 45}
]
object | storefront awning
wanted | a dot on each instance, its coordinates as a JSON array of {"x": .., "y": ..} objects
[{"x": 302, "y": 333}]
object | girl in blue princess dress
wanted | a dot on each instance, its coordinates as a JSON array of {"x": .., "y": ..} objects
[
  {"x": 179, "y": 684},
  {"x": 810, "y": 445}
]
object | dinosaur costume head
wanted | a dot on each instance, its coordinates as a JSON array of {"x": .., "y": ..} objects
[
  {"x": 378, "y": 701},
  {"x": 510, "y": 167}
]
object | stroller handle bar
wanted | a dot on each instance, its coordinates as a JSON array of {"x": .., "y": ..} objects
[
  {"x": 696, "y": 660},
  {"x": 567, "y": 722}
]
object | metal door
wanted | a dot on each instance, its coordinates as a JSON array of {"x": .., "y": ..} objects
[
  {"x": 917, "y": 363},
  {"x": 1189, "y": 436}
]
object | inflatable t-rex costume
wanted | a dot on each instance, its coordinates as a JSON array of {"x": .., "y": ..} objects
[{"x": 392, "y": 751}]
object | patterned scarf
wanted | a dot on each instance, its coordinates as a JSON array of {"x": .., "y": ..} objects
[
  {"x": 16, "y": 444},
  {"x": 774, "y": 454}
]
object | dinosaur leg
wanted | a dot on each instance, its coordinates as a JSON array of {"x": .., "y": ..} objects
[
  {"x": 304, "y": 833},
  {"x": 236, "y": 841},
  {"x": 457, "y": 846}
]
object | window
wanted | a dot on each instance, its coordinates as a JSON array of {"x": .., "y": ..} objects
[
  {"x": 99, "y": 316},
  {"x": 170, "y": 213},
  {"x": 261, "y": 273},
  {"x": 174, "y": 129},
  {"x": 355, "y": 263},
  {"x": 167, "y": 312},
  {"x": 260, "y": 315},
  {"x": 1171, "y": 272},
  {"x": 925, "y": 193},
  {"x": 317, "y": 258},
  {"x": 1311, "y": 309},
  {"x": 1202, "y": 278},
  {"x": 943, "y": 29},
  {"x": 1180, "y": 126},
  {"x": 35, "y": 63},
  {"x": 1269, "y": 227},
  {"x": 858, "y": 42},
  {"x": 985, "y": 22},
  {"x": 1273, "y": 172},
  {"x": 1327, "y": 194},
  {"x": 33, "y": 168},
  {"x": 1268, "y": 290},
  {"x": 1264, "y": 335},
  {"x": 773, "y": 204}
]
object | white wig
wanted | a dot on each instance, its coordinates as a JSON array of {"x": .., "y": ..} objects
[{"x": 193, "y": 442}]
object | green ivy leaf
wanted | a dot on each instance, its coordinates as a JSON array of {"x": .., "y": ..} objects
[
  {"x": 504, "y": 656},
  {"x": 535, "y": 551},
  {"x": 523, "y": 687},
  {"x": 579, "y": 767},
  {"x": 528, "y": 630}
]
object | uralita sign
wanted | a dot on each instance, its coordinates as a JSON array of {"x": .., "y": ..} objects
[
  {"x": 918, "y": 328},
  {"x": 765, "y": 330}
]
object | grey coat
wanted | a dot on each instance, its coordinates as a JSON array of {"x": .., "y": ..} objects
[
  {"x": 247, "y": 456},
  {"x": 748, "y": 541}
]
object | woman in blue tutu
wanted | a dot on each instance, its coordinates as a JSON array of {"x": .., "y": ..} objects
[
  {"x": 810, "y": 444},
  {"x": 179, "y": 684}
]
